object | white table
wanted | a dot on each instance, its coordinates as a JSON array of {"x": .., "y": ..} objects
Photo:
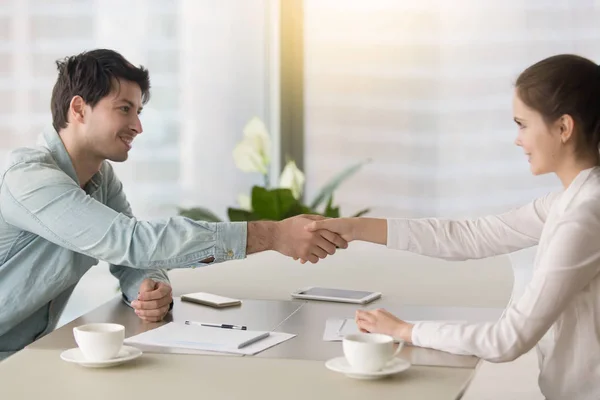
[
  {"x": 405, "y": 277},
  {"x": 294, "y": 369}
]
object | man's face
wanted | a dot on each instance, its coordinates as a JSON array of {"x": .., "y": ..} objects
[{"x": 112, "y": 125}]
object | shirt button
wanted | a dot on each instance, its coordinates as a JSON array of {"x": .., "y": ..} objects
[{"x": 230, "y": 253}]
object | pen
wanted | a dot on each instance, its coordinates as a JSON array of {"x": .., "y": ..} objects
[
  {"x": 224, "y": 326},
  {"x": 339, "y": 332}
]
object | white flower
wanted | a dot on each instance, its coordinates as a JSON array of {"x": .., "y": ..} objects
[
  {"x": 253, "y": 153},
  {"x": 257, "y": 131},
  {"x": 244, "y": 202},
  {"x": 247, "y": 158},
  {"x": 292, "y": 178}
]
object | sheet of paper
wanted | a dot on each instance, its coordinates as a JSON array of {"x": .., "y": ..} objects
[
  {"x": 177, "y": 337},
  {"x": 273, "y": 340},
  {"x": 337, "y": 328}
]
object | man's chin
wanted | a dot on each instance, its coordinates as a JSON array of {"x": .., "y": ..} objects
[{"x": 118, "y": 158}]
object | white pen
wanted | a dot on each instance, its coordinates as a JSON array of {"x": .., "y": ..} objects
[{"x": 224, "y": 326}]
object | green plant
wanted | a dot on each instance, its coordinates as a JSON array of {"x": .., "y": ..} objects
[{"x": 252, "y": 154}]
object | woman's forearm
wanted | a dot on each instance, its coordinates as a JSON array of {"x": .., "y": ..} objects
[{"x": 372, "y": 230}]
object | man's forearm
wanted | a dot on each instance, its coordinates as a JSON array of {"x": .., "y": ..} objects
[{"x": 261, "y": 236}]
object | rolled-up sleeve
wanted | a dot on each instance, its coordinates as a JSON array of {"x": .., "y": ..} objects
[{"x": 42, "y": 199}]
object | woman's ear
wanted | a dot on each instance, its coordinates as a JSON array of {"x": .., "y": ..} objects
[{"x": 566, "y": 127}]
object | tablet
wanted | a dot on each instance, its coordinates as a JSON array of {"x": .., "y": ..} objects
[{"x": 338, "y": 295}]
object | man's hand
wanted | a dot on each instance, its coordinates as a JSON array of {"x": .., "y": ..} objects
[
  {"x": 292, "y": 239},
  {"x": 154, "y": 300},
  {"x": 342, "y": 227}
]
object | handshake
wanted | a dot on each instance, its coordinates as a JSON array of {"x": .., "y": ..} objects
[{"x": 311, "y": 237}]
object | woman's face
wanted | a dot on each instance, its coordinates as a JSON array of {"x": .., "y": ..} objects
[{"x": 541, "y": 143}]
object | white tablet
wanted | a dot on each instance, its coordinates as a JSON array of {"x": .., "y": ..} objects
[{"x": 338, "y": 295}]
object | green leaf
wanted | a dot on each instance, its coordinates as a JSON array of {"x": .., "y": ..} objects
[
  {"x": 307, "y": 210},
  {"x": 329, "y": 188},
  {"x": 273, "y": 204},
  {"x": 199, "y": 214},
  {"x": 299, "y": 209},
  {"x": 239, "y": 215},
  {"x": 361, "y": 213},
  {"x": 331, "y": 212}
]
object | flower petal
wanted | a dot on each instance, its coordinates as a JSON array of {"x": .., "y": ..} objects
[
  {"x": 244, "y": 202},
  {"x": 256, "y": 130},
  {"x": 247, "y": 158},
  {"x": 293, "y": 179}
]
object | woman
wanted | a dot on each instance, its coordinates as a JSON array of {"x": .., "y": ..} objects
[{"x": 557, "y": 110}]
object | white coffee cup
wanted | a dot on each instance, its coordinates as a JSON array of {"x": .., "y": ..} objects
[
  {"x": 100, "y": 341},
  {"x": 369, "y": 352}
]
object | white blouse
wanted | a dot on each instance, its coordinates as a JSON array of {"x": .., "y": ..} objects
[{"x": 560, "y": 308}]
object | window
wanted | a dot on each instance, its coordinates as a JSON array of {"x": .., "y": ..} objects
[
  {"x": 208, "y": 70},
  {"x": 424, "y": 89}
]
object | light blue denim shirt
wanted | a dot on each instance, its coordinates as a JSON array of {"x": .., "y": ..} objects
[{"x": 52, "y": 231}]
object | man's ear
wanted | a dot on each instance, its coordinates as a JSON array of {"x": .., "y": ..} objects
[{"x": 77, "y": 109}]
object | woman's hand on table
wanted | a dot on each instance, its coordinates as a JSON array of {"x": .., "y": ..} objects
[{"x": 382, "y": 321}]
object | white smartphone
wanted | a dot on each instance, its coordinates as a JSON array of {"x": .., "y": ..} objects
[
  {"x": 337, "y": 295},
  {"x": 209, "y": 299}
]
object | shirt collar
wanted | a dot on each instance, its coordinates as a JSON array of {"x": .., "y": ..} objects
[
  {"x": 51, "y": 140},
  {"x": 571, "y": 191}
]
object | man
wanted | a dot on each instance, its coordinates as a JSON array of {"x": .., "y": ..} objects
[{"x": 62, "y": 209}]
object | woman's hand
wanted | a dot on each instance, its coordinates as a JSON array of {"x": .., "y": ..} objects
[
  {"x": 366, "y": 229},
  {"x": 339, "y": 227},
  {"x": 381, "y": 321},
  {"x": 344, "y": 227}
]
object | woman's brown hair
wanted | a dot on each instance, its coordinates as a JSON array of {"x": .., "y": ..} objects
[{"x": 565, "y": 84}]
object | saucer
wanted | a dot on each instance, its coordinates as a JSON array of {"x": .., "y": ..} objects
[
  {"x": 126, "y": 353},
  {"x": 340, "y": 364}
]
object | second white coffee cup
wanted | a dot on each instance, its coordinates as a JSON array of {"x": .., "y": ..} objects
[
  {"x": 99, "y": 342},
  {"x": 369, "y": 352}
]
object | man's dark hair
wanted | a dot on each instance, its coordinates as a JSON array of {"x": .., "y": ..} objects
[{"x": 92, "y": 75}]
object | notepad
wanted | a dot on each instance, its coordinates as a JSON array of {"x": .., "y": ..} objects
[{"x": 193, "y": 337}]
